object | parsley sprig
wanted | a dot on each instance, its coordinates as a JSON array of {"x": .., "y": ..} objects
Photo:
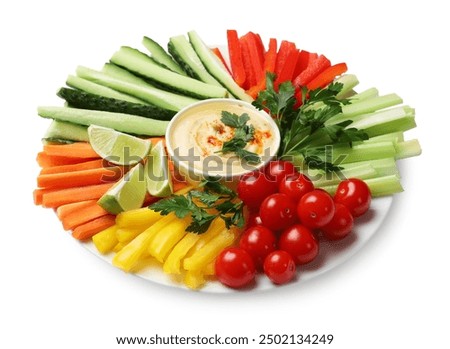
[
  {"x": 214, "y": 200},
  {"x": 303, "y": 129},
  {"x": 243, "y": 134}
]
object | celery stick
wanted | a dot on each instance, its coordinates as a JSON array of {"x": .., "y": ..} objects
[
  {"x": 383, "y": 167},
  {"x": 394, "y": 137},
  {"x": 363, "y": 152},
  {"x": 379, "y": 186},
  {"x": 348, "y": 95},
  {"x": 396, "y": 112},
  {"x": 387, "y": 121},
  {"x": 349, "y": 81},
  {"x": 407, "y": 149},
  {"x": 369, "y": 93},
  {"x": 363, "y": 171},
  {"x": 371, "y": 105},
  {"x": 343, "y": 154}
]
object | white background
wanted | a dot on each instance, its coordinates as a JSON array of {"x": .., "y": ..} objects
[{"x": 393, "y": 293}]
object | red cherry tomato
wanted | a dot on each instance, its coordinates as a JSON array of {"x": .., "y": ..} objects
[
  {"x": 258, "y": 241},
  {"x": 300, "y": 243},
  {"x": 278, "y": 169},
  {"x": 235, "y": 267},
  {"x": 254, "y": 187},
  {"x": 253, "y": 219},
  {"x": 295, "y": 186},
  {"x": 279, "y": 267},
  {"x": 340, "y": 225},
  {"x": 277, "y": 212},
  {"x": 355, "y": 194},
  {"x": 315, "y": 209}
]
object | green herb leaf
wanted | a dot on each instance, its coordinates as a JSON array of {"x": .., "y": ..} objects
[
  {"x": 197, "y": 203},
  {"x": 305, "y": 127},
  {"x": 213, "y": 185},
  {"x": 180, "y": 205},
  {"x": 243, "y": 134}
]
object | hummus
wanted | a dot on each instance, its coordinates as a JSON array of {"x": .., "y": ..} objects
[{"x": 196, "y": 135}]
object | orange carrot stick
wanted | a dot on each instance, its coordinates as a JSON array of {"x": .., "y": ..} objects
[
  {"x": 87, "y": 165},
  {"x": 38, "y": 195},
  {"x": 65, "y": 210},
  {"x": 80, "y": 178},
  {"x": 74, "y": 150},
  {"x": 84, "y": 215},
  {"x": 89, "y": 229},
  {"x": 57, "y": 197},
  {"x": 45, "y": 160}
]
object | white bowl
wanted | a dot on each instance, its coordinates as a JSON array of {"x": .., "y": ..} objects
[{"x": 184, "y": 129}]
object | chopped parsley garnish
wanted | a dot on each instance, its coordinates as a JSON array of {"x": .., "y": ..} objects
[
  {"x": 243, "y": 134},
  {"x": 215, "y": 200}
]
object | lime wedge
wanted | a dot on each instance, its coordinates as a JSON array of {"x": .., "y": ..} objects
[
  {"x": 157, "y": 172},
  {"x": 127, "y": 194},
  {"x": 117, "y": 147}
]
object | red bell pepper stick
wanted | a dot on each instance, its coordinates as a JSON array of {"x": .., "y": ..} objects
[
  {"x": 327, "y": 76},
  {"x": 313, "y": 69},
  {"x": 302, "y": 62},
  {"x": 260, "y": 47},
  {"x": 287, "y": 71},
  {"x": 285, "y": 48},
  {"x": 256, "y": 59},
  {"x": 269, "y": 66},
  {"x": 236, "y": 60},
  {"x": 250, "y": 79}
]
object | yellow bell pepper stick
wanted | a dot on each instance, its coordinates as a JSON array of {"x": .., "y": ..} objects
[
  {"x": 141, "y": 218},
  {"x": 185, "y": 246},
  {"x": 207, "y": 253},
  {"x": 125, "y": 235},
  {"x": 194, "y": 279},
  {"x": 210, "y": 268},
  {"x": 105, "y": 240},
  {"x": 216, "y": 227},
  {"x": 129, "y": 255},
  {"x": 119, "y": 246},
  {"x": 167, "y": 237},
  {"x": 173, "y": 261}
]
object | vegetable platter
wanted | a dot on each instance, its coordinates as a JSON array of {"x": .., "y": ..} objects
[{"x": 305, "y": 163}]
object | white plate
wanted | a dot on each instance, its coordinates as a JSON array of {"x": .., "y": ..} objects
[{"x": 330, "y": 256}]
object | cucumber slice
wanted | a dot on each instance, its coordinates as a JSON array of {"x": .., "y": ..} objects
[
  {"x": 149, "y": 93},
  {"x": 182, "y": 51},
  {"x": 122, "y": 74},
  {"x": 161, "y": 56},
  {"x": 120, "y": 122},
  {"x": 98, "y": 89},
  {"x": 59, "y": 130},
  {"x": 216, "y": 68},
  {"x": 84, "y": 100},
  {"x": 140, "y": 64}
]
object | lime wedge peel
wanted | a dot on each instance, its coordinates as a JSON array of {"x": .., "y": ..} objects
[
  {"x": 117, "y": 147},
  {"x": 127, "y": 194},
  {"x": 157, "y": 174}
]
